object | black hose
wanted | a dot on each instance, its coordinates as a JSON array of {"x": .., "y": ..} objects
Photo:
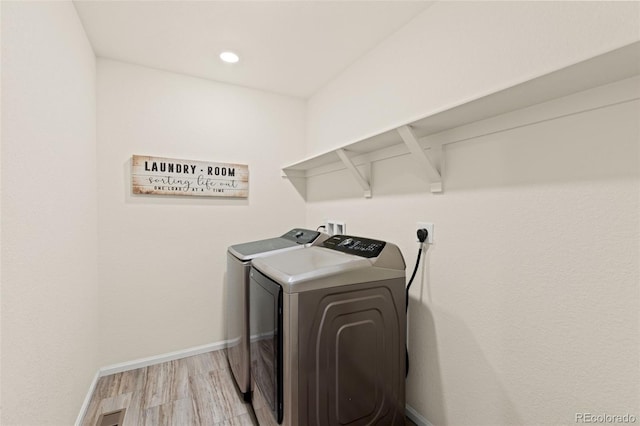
[{"x": 413, "y": 276}]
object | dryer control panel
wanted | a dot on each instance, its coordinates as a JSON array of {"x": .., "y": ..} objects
[{"x": 358, "y": 246}]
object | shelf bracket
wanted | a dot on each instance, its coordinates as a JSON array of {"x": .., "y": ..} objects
[
  {"x": 355, "y": 172},
  {"x": 433, "y": 172},
  {"x": 298, "y": 179}
]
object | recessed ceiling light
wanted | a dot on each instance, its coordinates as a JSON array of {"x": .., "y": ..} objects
[{"x": 229, "y": 57}]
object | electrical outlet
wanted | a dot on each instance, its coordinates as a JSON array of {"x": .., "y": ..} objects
[
  {"x": 333, "y": 227},
  {"x": 429, "y": 227}
]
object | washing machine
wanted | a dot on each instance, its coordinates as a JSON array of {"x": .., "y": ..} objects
[
  {"x": 327, "y": 334},
  {"x": 239, "y": 259}
]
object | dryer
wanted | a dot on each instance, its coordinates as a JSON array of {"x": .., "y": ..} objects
[
  {"x": 327, "y": 334},
  {"x": 239, "y": 259}
]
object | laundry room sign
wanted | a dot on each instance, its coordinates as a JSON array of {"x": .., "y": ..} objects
[{"x": 169, "y": 176}]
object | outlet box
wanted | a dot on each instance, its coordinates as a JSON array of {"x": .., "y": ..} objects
[
  {"x": 334, "y": 227},
  {"x": 429, "y": 227}
]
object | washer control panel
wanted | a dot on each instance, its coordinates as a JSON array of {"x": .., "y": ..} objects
[{"x": 358, "y": 246}]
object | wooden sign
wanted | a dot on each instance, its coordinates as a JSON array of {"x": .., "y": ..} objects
[{"x": 168, "y": 176}]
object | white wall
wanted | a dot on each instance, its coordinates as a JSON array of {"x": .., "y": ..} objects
[
  {"x": 0, "y": 217},
  {"x": 162, "y": 259},
  {"x": 456, "y": 51},
  {"x": 526, "y": 311},
  {"x": 508, "y": 326},
  {"x": 49, "y": 217}
]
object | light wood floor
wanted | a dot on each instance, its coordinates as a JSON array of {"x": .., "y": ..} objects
[{"x": 193, "y": 391}]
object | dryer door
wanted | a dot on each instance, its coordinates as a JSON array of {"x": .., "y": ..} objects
[{"x": 265, "y": 306}]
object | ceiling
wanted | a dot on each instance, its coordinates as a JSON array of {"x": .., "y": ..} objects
[{"x": 288, "y": 47}]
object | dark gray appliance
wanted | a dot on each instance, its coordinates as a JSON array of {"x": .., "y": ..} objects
[
  {"x": 327, "y": 333},
  {"x": 239, "y": 259}
]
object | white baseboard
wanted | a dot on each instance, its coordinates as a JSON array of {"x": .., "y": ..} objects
[
  {"x": 144, "y": 362},
  {"x": 87, "y": 399},
  {"x": 158, "y": 359},
  {"x": 416, "y": 417}
]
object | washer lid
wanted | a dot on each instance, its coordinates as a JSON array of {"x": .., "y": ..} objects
[
  {"x": 296, "y": 238},
  {"x": 320, "y": 267},
  {"x": 304, "y": 265}
]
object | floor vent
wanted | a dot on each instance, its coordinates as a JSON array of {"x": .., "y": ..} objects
[{"x": 114, "y": 418}]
